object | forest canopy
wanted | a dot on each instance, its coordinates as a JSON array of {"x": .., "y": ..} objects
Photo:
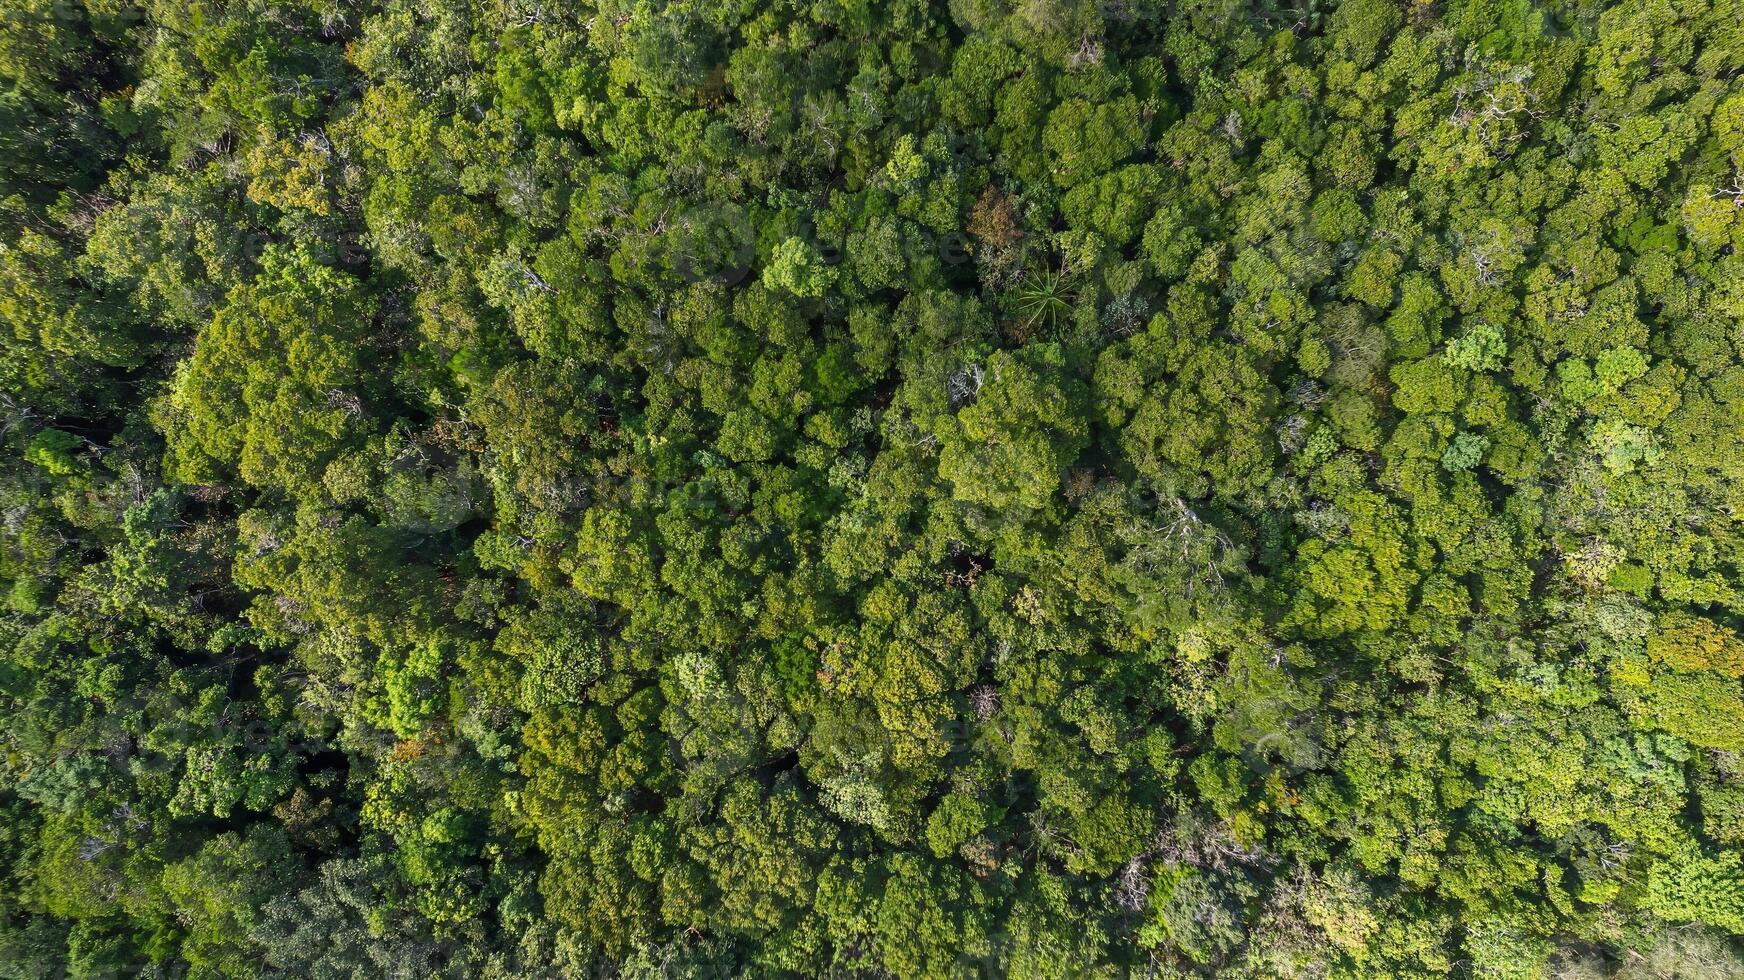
[{"x": 1061, "y": 488}]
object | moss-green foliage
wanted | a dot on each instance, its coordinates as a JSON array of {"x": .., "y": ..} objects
[{"x": 923, "y": 489}]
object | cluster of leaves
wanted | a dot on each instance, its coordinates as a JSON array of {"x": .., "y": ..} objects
[{"x": 665, "y": 489}]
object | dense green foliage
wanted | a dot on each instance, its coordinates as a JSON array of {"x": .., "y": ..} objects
[{"x": 1058, "y": 488}]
